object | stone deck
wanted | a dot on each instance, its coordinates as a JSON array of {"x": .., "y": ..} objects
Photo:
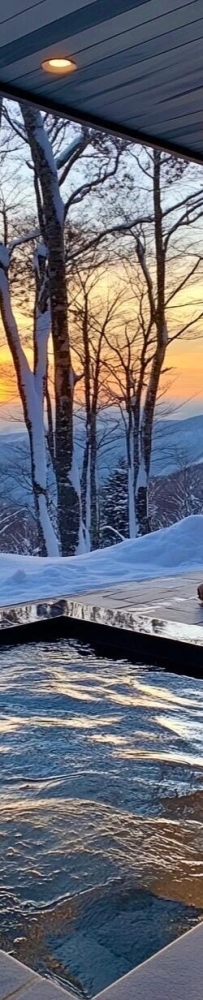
[
  {"x": 17, "y": 981},
  {"x": 176, "y": 971},
  {"x": 170, "y": 599},
  {"x": 162, "y": 608}
]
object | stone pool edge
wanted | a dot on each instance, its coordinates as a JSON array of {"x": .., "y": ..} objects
[
  {"x": 110, "y": 632},
  {"x": 176, "y": 970}
]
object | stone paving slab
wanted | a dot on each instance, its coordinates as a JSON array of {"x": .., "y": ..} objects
[
  {"x": 41, "y": 989},
  {"x": 175, "y": 973},
  {"x": 171, "y": 599},
  {"x": 13, "y": 976},
  {"x": 17, "y": 981}
]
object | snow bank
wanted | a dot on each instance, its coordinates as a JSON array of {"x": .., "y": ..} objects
[{"x": 174, "y": 550}]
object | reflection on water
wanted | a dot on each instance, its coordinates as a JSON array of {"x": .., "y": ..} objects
[{"x": 101, "y": 811}]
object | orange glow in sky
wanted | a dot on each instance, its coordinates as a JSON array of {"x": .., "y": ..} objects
[{"x": 184, "y": 356}]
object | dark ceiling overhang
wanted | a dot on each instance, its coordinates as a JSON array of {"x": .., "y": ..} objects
[{"x": 139, "y": 65}]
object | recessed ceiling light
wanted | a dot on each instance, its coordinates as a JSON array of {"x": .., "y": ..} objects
[{"x": 59, "y": 65}]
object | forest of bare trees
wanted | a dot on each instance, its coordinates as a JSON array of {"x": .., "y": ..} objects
[{"x": 101, "y": 243}]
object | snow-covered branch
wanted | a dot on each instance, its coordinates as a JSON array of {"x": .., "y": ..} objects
[
  {"x": 42, "y": 320},
  {"x": 20, "y": 240},
  {"x": 108, "y": 527},
  {"x": 40, "y": 141},
  {"x": 69, "y": 151}
]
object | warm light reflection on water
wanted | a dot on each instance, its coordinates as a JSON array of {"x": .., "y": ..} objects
[{"x": 101, "y": 811}]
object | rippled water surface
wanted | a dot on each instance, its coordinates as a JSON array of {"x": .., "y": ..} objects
[{"x": 101, "y": 811}]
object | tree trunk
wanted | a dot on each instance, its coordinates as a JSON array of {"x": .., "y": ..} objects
[
  {"x": 50, "y": 429},
  {"x": 68, "y": 486},
  {"x": 132, "y": 521},
  {"x": 86, "y": 475},
  {"x": 94, "y": 501},
  {"x": 89, "y": 488},
  {"x": 89, "y": 485},
  {"x": 147, "y": 422},
  {"x": 32, "y": 405},
  {"x": 142, "y": 483},
  {"x": 85, "y": 487},
  {"x": 44, "y": 527}
]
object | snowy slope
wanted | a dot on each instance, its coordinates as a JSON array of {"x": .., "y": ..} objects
[{"x": 166, "y": 552}]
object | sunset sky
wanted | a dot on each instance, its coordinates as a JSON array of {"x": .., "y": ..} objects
[{"x": 184, "y": 356}]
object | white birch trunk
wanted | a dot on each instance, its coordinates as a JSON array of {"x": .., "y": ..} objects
[
  {"x": 32, "y": 402},
  {"x": 71, "y": 528}
]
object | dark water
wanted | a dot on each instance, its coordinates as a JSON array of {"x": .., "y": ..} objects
[{"x": 101, "y": 811}]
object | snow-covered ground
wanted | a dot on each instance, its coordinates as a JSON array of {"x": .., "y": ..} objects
[{"x": 178, "y": 549}]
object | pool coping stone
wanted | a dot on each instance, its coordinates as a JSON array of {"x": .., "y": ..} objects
[{"x": 176, "y": 970}]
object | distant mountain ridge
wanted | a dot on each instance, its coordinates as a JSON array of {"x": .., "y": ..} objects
[{"x": 176, "y": 444}]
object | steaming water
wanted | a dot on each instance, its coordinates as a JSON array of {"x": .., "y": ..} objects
[{"x": 101, "y": 811}]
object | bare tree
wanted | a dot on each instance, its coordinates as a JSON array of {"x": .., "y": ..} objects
[
  {"x": 130, "y": 353},
  {"x": 162, "y": 289},
  {"x": 177, "y": 495},
  {"x": 50, "y": 175},
  {"x": 18, "y": 529},
  {"x": 93, "y": 315},
  {"x": 165, "y": 262},
  {"x": 133, "y": 355},
  {"x": 31, "y": 385}
]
